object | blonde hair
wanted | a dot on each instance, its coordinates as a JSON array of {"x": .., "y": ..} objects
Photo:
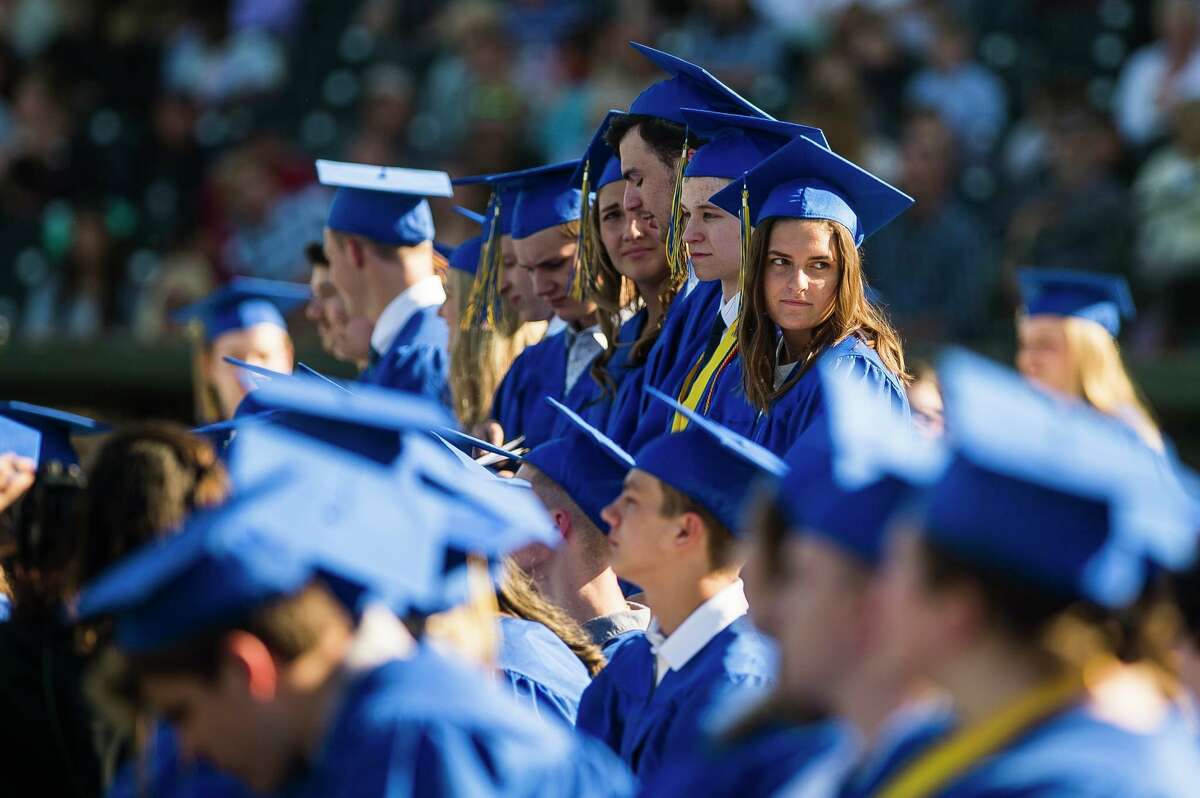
[
  {"x": 518, "y": 596},
  {"x": 850, "y": 313},
  {"x": 481, "y": 356},
  {"x": 1103, "y": 381}
]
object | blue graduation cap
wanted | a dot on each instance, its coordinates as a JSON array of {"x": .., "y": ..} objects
[
  {"x": 690, "y": 86},
  {"x": 53, "y": 427},
  {"x": 803, "y": 180},
  {"x": 465, "y": 257},
  {"x": 220, "y": 567},
  {"x": 367, "y": 422},
  {"x": 244, "y": 302},
  {"x": 585, "y": 463},
  {"x": 1054, "y": 491},
  {"x": 600, "y": 164},
  {"x": 736, "y": 144},
  {"x": 709, "y": 463},
  {"x": 1102, "y": 298},
  {"x": 386, "y": 204},
  {"x": 849, "y": 475},
  {"x": 23, "y": 440},
  {"x": 545, "y": 197}
]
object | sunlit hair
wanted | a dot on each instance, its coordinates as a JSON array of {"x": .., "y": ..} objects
[
  {"x": 613, "y": 294},
  {"x": 481, "y": 356},
  {"x": 518, "y": 596},
  {"x": 1102, "y": 380},
  {"x": 851, "y": 313}
]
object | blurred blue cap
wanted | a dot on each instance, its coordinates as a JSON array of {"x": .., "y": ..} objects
[
  {"x": 1102, "y": 298},
  {"x": 54, "y": 429},
  {"x": 803, "y": 180},
  {"x": 386, "y": 204},
  {"x": 244, "y": 302}
]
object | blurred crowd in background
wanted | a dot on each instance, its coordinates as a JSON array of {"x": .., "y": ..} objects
[{"x": 150, "y": 151}]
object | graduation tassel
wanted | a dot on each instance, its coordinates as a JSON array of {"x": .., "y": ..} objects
[
  {"x": 744, "y": 219},
  {"x": 481, "y": 310},
  {"x": 675, "y": 258},
  {"x": 581, "y": 283}
]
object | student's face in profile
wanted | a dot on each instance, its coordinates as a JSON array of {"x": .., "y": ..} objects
[
  {"x": 824, "y": 598},
  {"x": 262, "y": 345},
  {"x": 221, "y": 724},
  {"x": 915, "y": 621},
  {"x": 633, "y": 250},
  {"x": 549, "y": 257},
  {"x": 649, "y": 183},
  {"x": 640, "y": 535},
  {"x": 516, "y": 286},
  {"x": 800, "y": 274},
  {"x": 346, "y": 273},
  {"x": 1043, "y": 355},
  {"x": 713, "y": 237},
  {"x": 449, "y": 309},
  {"x": 325, "y": 308}
]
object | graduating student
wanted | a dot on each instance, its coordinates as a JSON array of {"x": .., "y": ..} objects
[
  {"x": 672, "y": 532},
  {"x": 1067, "y": 342},
  {"x": 379, "y": 241},
  {"x": 243, "y": 319},
  {"x": 804, "y": 299},
  {"x": 258, "y": 634},
  {"x": 1013, "y": 585},
  {"x": 347, "y": 339}
]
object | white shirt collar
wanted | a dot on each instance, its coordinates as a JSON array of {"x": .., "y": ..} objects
[
  {"x": 706, "y": 622},
  {"x": 422, "y": 294},
  {"x": 729, "y": 310},
  {"x": 555, "y": 326}
]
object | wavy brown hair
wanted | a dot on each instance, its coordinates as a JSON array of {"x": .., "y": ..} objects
[
  {"x": 851, "y": 313},
  {"x": 518, "y": 596}
]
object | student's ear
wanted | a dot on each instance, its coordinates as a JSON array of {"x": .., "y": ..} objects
[
  {"x": 249, "y": 659},
  {"x": 532, "y": 556},
  {"x": 691, "y": 531},
  {"x": 356, "y": 251}
]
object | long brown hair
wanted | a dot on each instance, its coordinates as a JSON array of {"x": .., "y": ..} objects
[
  {"x": 851, "y": 313},
  {"x": 519, "y": 596},
  {"x": 614, "y": 293}
]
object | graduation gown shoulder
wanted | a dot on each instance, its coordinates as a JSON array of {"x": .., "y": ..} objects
[
  {"x": 417, "y": 360},
  {"x": 797, "y": 411},
  {"x": 430, "y": 726},
  {"x": 1074, "y": 753},
  {"x": 757, "y": 765},
  {"x": 542, "y": 672},
  {"x": 647, "y": 725},
  {"x": 163, "y": 775}
]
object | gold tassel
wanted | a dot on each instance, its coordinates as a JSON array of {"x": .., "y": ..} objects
[
  {"x": 676, "y": 260},
  {"x": 585, "y": 241},
  {"x": 746, "y": 232},
  {"x": 485, "y": 292}
]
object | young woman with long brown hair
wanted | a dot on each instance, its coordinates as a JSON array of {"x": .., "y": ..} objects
[{"x": 804, "y": 294}]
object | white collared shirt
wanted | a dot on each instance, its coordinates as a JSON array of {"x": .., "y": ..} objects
[
  {"x": 554, "y": 326},
  {"x": 422, "y": 294},
  {"x": 706, "y": 622},
  {"x": 729, "y": 310},
  {"x": 582, "y": 348}
]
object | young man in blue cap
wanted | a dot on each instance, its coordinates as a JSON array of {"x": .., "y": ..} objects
[
  {"x": 244, "y": 320},
  {"x": 673, "y": 533},
  {"x": 576, "y": 476},
  {"x": 379, "y": 241}
]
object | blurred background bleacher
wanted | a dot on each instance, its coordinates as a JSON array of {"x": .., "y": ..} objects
[{"x": 149, "y": 151}]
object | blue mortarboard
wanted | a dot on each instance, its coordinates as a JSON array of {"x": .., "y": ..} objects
[
  {"x": 585, "y": 463},
  {"x": 244, "y": 302},
  {"x": 54, "y": 428},
  {"x": 383, "y": 203},
  {"x": 221, "y": 567},
  {"x": 844, "y": 482},
  {"x": 736, "y": 144},
  {"x": 690, "y": 86},
  {"x": 709, "y": 463},
  {"x": 1052, "y": 490},
  {"x": 1102, "y": 298},
  {"x": 478, "y": 443},
  {"x": 500, "y": 206},
  {"x": 545, "y": 197},
  {"x": 366, "y": 422},
  {"x": 602, "y": 164},
  {"x": 465, "y": 257},
  {"x": 23, "y": 440},
  {"x": 803, "y": 180}
]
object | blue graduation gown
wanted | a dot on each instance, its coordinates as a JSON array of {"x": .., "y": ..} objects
[
  {"x": 797, "y": 412},
  {"x": 648, "y": 725},
  {"x": 1073, "y": 753},
  {"x": 627, "y": 403},
  {"x": 754, "y": 766},
  {"x": 541, "y": 670},
  {"x": 417, "y": 360},
  {"x": 540, "y": 371},
  {"x": 431, "y": 726},
  {"x": 164, "y": 775},
  {"x": 684, "y": 334}
]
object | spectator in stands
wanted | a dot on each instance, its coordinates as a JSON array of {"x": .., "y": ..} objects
[
  {"x": 733, "y": 42},
  {"x": 970, "y": 99},
  {"x": 384, "y": 117},
  {"x": 209, "y": 61},
  {"x": 933, "y": 266},
  {"x": 1151, "y": 79}
]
